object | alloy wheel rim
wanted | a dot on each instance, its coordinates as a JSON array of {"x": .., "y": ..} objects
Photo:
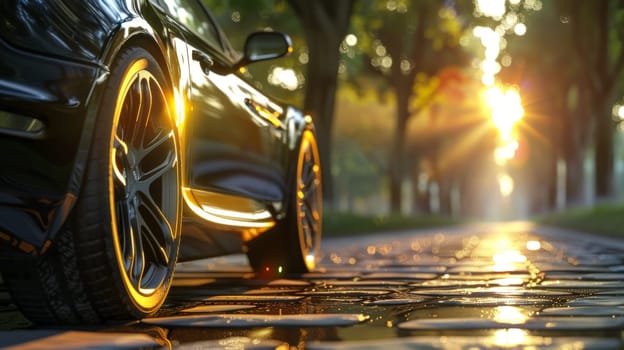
[
  {"x": 145, "y": 184},
  {"x": 309, "y": 199}
]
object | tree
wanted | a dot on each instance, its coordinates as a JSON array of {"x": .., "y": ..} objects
[
  {"x": 452, "y": 135},
  {"x": 404, "y": 39},
  {"x": 325, "y": 23},
  {"x": 579, "y": 93},
  {"x": 598, "y": 29}
]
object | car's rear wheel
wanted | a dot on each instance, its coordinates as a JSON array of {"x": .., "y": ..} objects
[
  {"x": 115, "y": 257},
  {"x": 293, "y": 245}
]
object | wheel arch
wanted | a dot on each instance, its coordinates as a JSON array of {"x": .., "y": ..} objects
[
  {"x": 132, "y": 33},
  {"x": 136, "y": 32}
]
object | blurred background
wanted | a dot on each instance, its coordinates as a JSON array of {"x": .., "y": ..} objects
[{"x": 462, "y": 109}]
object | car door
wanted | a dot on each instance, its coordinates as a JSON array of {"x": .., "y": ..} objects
[{"x": 233, "y": 132}]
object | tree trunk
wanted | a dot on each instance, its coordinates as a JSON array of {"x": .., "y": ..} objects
[
  {"x": 575, "y": 176},
  {"x": 319, "y": 102},
  {"x": 325, "y": 23},
  {"x": 398, "y": 148},
  {"x": 604, "y": 73},
  {"x": 604, "y": 154}
]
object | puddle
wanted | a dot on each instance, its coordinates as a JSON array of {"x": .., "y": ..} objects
[
  {"x": 487, "y": 276},
  {"x": 360, "y": 283},
  {"x": 347, "y": 292},
  {"x": 47, "y": 339},
  {"x": 254, "y": 298},
  {"x": 597, "y": 301},
  {"x": 492, "y": 292},
  {"x": 400, "y": 276},
  {"x": 578, "y": 284},
  {"x": 257, "y": 320},
  {"x": 487, "y": 269},
  {"x": 501, "y": 339},
  {"x": 492, "y": 301},
  {"x": 234, "y": 343},
  {"x": 218, "y": 308},
  {"x": 435, "y": 269},
  {"x": 614, "y": 292},
  {"x": 537, "y": 323},
  {"x": 449, "y": 283},
  {"x": 603, "y": 276},
  {"x": 272, "y": 291},
  {"x": 349, "y": 275},
  {"x": 398, "y": 301},
  {"x": 597, "y": 260},
  {"x": 548, "y": 266},
  {"x": 584, "y": 311}
]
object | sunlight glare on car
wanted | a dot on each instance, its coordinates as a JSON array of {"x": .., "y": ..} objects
[{"x": 179, "y": 107}]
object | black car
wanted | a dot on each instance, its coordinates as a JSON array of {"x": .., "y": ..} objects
[{"x": 125, "y": 126}]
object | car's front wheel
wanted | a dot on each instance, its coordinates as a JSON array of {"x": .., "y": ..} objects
[
  {"x": 115, "y": 257},
  {"x": 293, "y": 245}
]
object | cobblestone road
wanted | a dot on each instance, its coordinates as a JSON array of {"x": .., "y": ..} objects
[{"x": 510, "y": 286}]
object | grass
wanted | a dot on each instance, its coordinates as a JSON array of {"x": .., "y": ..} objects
[
  {"x": 604, "y": 219},
  {"x": 340, "y": 224}
]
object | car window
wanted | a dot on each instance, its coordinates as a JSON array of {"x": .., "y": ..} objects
[{"x": 192, "y": 14}]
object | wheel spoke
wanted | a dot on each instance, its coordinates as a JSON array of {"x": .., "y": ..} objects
[
  {"x": 158, "y": 253},
  {"x": 167, "y": 164},
  {"x": 129, "y": 111},
  {"x": 307, "y": 173},
  {"x": 157, "y": 223},
  {"x": 310, "y": 191},
  {"x": 138, "y": 258},
  {"x": 124, "y": 229},
  {"x": 120, "y": 160},
  {"x": 308, "y": 227},
  {"x": 161, "y": 137},
  {"x": 143, "y": 113}
]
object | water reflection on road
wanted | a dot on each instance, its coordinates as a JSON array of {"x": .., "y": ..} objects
[{"x": 484, "y": 287}]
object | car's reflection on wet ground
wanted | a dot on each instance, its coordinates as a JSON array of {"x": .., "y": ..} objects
[{"x": 479, "y": 287}]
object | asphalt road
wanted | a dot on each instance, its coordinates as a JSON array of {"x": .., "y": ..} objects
[{"x": 491, "y": 286}]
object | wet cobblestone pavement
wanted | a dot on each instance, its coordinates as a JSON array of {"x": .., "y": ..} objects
[{"x": 495, "y": 286}]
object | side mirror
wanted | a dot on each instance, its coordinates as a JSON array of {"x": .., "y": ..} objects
[{"x": 262, "y": 46}]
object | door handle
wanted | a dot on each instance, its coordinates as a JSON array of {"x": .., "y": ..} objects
[{"x": 205, "y": 62}]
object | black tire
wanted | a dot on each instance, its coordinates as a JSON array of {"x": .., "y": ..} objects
[
  {"x": 292, "y": 246},
  {"x": 114, "y": 258}
]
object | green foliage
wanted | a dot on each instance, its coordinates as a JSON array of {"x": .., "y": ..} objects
[
  {"x": 605, "y": 219},
  {"x": 362, "y": 135},
  {"x": 337, "y": 224}
]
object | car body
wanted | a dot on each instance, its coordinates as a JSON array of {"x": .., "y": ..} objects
[{"x": 126, "y": 125}]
